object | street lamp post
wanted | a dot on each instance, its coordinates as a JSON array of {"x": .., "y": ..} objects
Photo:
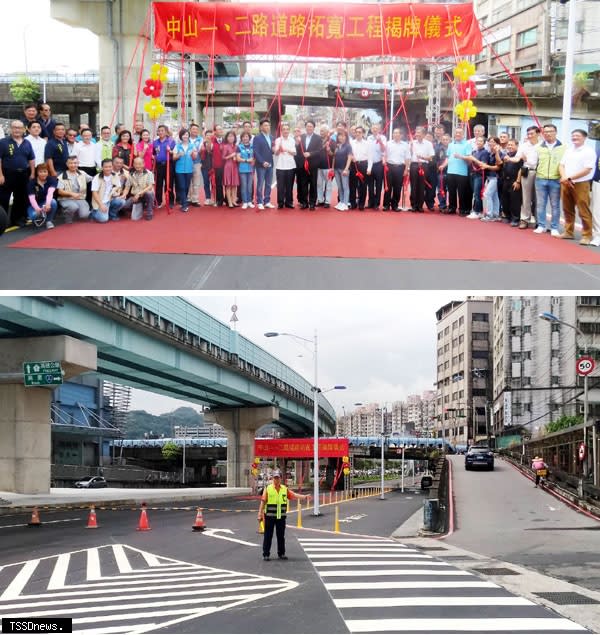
[
  {"x": 550, "y": 317},
  {"x": 315, "y": 391}
]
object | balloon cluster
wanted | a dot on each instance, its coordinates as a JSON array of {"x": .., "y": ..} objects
[
  {"x": 466, "y": 89},
  {"x": 346, "y": 465},
  {"x": 153, "y": 89},
  {"x": 255, "y": 466}
]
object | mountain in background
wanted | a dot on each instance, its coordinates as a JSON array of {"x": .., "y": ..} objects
[{"x": 140, "y": 422}]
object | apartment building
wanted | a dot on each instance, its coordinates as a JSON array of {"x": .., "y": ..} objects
[
  {"x": 464, "y": 363},
  {"x": 535, "y": 381}
]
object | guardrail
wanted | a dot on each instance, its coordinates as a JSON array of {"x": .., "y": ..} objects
[{"x": 52, "y": 78}]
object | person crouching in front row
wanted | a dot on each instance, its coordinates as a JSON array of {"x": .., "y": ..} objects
[
  {"x": 141, "y": 188},
  {"x": 106, "y": 194}
]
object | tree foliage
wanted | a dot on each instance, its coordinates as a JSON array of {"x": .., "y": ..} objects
[
  {"x": 170, "y": 451},
  {"x": 25, "y": 90},
  {"x": 566, "y": 421},
  {"x": 140, "y": 422}
]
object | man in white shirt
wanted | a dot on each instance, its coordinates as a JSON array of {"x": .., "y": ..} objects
[
  {"x": 377, "y": 143},
  {"x": 576, "y": 171},
  {"x": 358, "y": 185},
  {"x": 529, "y": 154},
  {"x": 37, "y": 142},
  {"x": 397, "y": 160},
  {"x": 421, "y": 153}
]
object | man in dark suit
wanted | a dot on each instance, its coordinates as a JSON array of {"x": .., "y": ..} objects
[
  {"x": 263, "y": 155},
  {"x": 311, "y": 146}
]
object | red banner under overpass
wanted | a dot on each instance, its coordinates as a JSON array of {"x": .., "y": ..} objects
[
  {"x": 310, "y": 30},
  {"x": 300, "y": 448}
]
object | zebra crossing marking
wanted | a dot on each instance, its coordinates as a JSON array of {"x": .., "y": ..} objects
[
  {"x": 148, "y": 592},
  {"x": 384, "y": 586}
]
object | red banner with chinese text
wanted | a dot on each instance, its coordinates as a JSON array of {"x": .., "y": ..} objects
[
  {"x": 299, "y": 448},
  {"x": 307, "y": 30}
]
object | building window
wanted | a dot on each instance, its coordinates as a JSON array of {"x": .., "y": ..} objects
[
  {"x": 527, "y": 38},
  {"x": 480, "y": 355},
  {"x": 515, "y": 331},
  {"x": 526, "y": 354},
  {"x": 526, "y": 381},
  {"x": 446, "y": 348},
  {"x": 461, "y": 321},
  {"x": 555, "y": 352},
  {"x": 555, "y": 380},
  {"x": 591, "y": 300},
  {"x": 515, "y": 357},
  {"x": 480, "y": 317},
  {"x": 455, "y": 342},
  {"x": 461, "y": 394},
  {"x": 461, "y": 358},
  {"x": 455, "y": 360},
  {"x": 454, "y": 325},
  {"x": 480, "y": 336},
  {"x": 461, "y": 339},
  {"x": 501, "y": 47},
  {"x": 589, "y": 327},
  {"x": 527, "y": 329},
  {"x": 515, "y": 382},
  {"x": 447, "y": 330}
]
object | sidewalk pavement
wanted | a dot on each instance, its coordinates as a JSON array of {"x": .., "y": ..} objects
[{"x": 64, "y": 497}]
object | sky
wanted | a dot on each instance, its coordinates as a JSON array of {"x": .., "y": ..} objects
[
  {"x": 45, "y": 44},
  {"x": 380, "y": 344}
]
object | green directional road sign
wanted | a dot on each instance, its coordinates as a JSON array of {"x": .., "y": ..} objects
[{"x": 42, "y": 373}]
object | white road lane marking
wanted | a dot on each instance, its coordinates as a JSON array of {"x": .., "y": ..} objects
[
  {"x": 14, "y": 589},
  {"x": 481, "y": 625}
]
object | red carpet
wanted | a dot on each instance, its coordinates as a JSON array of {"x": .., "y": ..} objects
[{"x": 323, "y": 233}]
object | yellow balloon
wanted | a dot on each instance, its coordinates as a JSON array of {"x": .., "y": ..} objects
[
  {"x": 257, "y": 459},
  {"x": 154, "y": 108},
  {"x": 157, "y": 71},
  {"x": 465, "y": 110},
  {"x": 463, "y": 70}
]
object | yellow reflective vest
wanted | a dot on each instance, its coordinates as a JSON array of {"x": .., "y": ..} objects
[{"x": 276, "y": 501}]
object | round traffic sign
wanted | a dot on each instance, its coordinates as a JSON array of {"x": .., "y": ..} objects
[{"x": 585, "y": 365}]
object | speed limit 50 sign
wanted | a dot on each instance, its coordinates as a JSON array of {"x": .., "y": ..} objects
[{"x": 585, "y": 365}]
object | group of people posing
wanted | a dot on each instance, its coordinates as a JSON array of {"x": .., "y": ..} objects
[{"x": 48, "y": 168}]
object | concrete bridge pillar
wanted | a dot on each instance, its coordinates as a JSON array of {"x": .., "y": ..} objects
[
  {"x": 25, "y": 446},
  {"x": 241, "y": 425},
  {"x": 117, "y": 24}
]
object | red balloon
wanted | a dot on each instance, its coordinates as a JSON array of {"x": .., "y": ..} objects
[
  {"x": 467, "y": 90},
  {"x": 147, "y": 91}
]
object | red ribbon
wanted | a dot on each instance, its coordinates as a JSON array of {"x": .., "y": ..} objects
[
  {"x": 422, "y": 174},
  {"x": 360, "y": 176},
  {"x": 213, "y": 180},
  {"x": 330, "y": 175},
  {"x": 442, "y": 190},
  {"x": 306, "y": 166}
]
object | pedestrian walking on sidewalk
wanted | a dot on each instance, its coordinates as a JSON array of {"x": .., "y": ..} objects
[{"x": 273, "y": 510}]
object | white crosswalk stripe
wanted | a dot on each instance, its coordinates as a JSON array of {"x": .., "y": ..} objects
[
  {"x": 381, "y": 586},
  {"x": 122, "y": 589}
]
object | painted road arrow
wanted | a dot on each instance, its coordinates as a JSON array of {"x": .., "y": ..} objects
[
  {"x": 213, "y": 533},
  {"x": 121, "y": 589}
]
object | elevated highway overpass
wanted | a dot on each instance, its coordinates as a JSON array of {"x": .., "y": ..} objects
[{"x": 164, "y": 345}]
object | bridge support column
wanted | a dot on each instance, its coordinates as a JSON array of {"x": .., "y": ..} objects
[
  {"x": 241, "y": 425},
  {"x": 25, "y": 444}
]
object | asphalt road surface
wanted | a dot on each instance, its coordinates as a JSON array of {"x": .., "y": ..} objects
[
  {"x": 116, "y": 579},
  {"x": 76, "y": 270}
]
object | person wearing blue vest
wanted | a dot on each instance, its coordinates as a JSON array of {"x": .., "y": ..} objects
[{"x": 273, "y": 510}]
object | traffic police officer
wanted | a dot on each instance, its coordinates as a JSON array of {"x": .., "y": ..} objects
[{"x": 273, "y": 509}]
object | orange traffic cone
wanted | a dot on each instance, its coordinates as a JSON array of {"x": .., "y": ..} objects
[
  {"x": 143, "y": 524},
  {"x": 199, "y": 523},
  {"x": 92, "y": 522},
  {"x": 35, "y": 519}
]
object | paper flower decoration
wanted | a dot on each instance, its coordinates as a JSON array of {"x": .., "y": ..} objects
[
  {"x": 463, "y": 70},
  {"x": 158, "y": 71},
  {"x": 154, "y": 108},
  {"x": 153, "y": 88},
  {"x": 467, "y": 90},
  {"x": 465, "y": 110}
]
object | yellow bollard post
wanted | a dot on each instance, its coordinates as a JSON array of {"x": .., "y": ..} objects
[
  {"x": 336, "y": 527},
  {"x": 299, "y": 520},
  {"x": 330, "y": 497}
]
